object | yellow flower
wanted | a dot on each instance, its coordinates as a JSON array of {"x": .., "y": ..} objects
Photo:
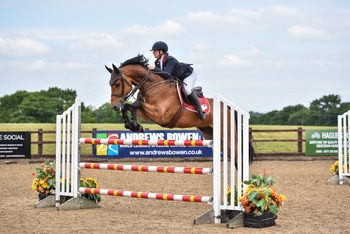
[
  {"x": 260, "y": 195},
  {"x": 35, "y": 184},
  {"x": 45, "y": 177},
  {"x": 228, "y": 193},
  {"x": 282, "y": 197}
]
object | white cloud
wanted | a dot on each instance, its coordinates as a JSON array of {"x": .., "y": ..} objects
[
  {"x": 21, "y": 47},
  {"x": 284, "y": 10},
  {"x": 201, "y": 47},
  {"x": 167, "y": 28},
  {"x": 202, "y": 16},
  {"x": 103, "y": 41},
  {"x": 38, "y": 65},
  {"x": 245, "y": 13},
  {"x": 210, "y": 17},
  {"x": 307, "y": 33},
  {"x": 239, "y": 61},
  {"x": 72, "y": 65},
  {"x": 252, "y": 52},
  {"x": 234, "y": 61}
]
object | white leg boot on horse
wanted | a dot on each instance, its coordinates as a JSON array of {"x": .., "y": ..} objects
[{"x": 192, "y": 97}]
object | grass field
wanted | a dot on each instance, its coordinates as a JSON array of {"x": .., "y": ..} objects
[
  {"x": 281, "y": 147},
  {"x": 261, "y": 147}
]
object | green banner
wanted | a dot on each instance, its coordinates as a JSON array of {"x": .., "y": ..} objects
[{"x": 322, "y": 142}]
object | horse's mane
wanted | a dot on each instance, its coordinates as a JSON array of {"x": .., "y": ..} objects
[{"x": 139, "y": 59}]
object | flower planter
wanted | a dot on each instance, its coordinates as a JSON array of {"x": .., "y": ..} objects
[
  {"x": 265, "y": 220},
  {"x": 43, "y": 196},
  {"x": 232, "y": 213}
]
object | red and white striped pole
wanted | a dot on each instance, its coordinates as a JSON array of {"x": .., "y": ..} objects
[
  {"x": 97, "y": 141},
  {"x": 158, "y": 196},
  {"x": 164, "y": 169}
]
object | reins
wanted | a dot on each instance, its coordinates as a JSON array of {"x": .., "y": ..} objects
[
  {"x": 133, "y": 91},
  {"x": 173, "y": 80}
]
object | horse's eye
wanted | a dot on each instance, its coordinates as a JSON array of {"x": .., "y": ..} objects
[{"x": 117, "y": 85}]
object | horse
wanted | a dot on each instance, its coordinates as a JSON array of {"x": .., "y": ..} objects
[{"x": 157, "y": 100}]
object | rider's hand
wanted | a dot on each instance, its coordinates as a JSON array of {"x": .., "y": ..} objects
[{"x": 150, "y": 67}]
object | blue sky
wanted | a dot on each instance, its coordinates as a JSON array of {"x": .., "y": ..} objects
[{"x": 260, "y": 55}]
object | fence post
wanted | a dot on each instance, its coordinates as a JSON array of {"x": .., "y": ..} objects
[
  {"x": 92, "y": 136},
  {"x": 40, "y": 142},
  {"x": 250, "y": 134},
  {"x": 300, "y": 140}
]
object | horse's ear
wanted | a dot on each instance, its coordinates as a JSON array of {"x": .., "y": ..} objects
[
  {"x": 109, "y": 69},
  {"x": 116, "y": 70}
]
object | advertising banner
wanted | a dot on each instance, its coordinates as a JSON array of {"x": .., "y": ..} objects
[
  {"x": 15, "y": 145},
  {"x": 322, "y": 142},
  {"x": 140, "y": 151}
]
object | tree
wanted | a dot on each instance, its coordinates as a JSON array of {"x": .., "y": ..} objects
[
  {"x": 88, "y": 115},
  {"x": 322, "y": 112},
  {"x": 254, "y": 117},
  {"x": 8, "y": 106},
  {"x": 105, "y": 114},
  {"x": 35, "y": 107},
  {"x": 325, "y": 110},
  {"x": 40, "y": 107}
]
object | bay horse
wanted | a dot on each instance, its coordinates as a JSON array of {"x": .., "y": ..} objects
[{"x": 157, "y": 100}]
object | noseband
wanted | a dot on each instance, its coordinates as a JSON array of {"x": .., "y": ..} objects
[{"x": 121, "y": 76}]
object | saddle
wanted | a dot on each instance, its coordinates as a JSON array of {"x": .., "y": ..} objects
[
  {"x": 184, "y": 100},
  {"x": 185, "y": 104}
]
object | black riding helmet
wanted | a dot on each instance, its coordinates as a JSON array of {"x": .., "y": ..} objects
[{"x": 160, "y": 45}]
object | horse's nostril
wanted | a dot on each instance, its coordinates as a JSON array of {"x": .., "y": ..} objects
[{"x": 116, "y": 108}]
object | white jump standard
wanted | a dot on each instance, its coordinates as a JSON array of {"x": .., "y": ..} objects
[{"x": 226, "y": 172}]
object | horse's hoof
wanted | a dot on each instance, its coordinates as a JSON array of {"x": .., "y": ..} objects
[
  {"x": 127, "y": 126},
  {"x": 141, "y": 129}
]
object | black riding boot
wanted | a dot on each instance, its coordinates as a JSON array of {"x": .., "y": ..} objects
[{"x": 194, "y": 100}]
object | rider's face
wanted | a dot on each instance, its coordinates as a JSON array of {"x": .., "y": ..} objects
[{"x": 156, "y": 53}]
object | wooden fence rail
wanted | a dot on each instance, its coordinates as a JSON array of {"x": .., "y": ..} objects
[
  {"x": 299, "y": 141},
  {"x": 41, "y": 142},
  {"x": 50, "y": 135}
]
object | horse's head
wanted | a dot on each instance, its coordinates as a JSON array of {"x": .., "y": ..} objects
[{"x": 120, "y": 88}]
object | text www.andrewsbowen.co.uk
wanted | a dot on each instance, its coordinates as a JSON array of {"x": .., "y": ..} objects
[{"x": 166, "y": 152}]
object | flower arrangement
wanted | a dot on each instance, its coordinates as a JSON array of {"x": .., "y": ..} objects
[
  {"x": 90, "y": 183},
  {"x": 335, "y": 168},
  {"x": 261, "y": 196},
  {"x": 44, "y": 181},
  {"x": 228, "y": 194}
]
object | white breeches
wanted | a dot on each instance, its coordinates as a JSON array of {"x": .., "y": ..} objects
[{"x": 190, "y": 82}]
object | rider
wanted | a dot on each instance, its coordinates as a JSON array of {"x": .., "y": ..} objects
[{"x": 183, "y": 71}]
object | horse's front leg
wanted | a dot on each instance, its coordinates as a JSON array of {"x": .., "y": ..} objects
[
  {"x": 136, "y": 127},
  {"x": 125, "y": 109}
]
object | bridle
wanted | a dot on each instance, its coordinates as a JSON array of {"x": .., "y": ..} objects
[{"x": 133, "y": 91}]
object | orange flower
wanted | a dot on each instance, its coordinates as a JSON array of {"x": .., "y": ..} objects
[{"x": 244, "y": 200}]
